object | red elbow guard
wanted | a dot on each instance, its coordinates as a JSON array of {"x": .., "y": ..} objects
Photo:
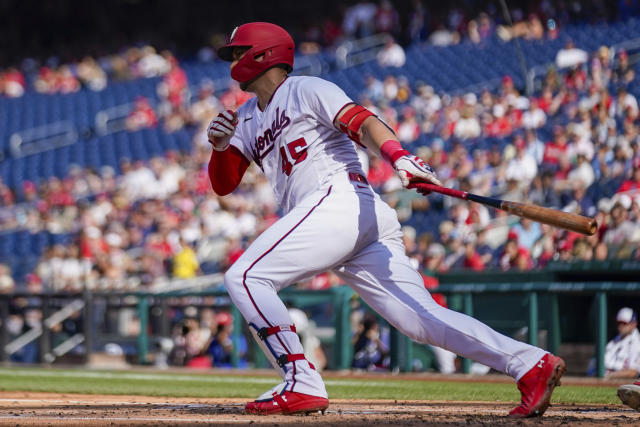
[{"x": 352, "y": 119}]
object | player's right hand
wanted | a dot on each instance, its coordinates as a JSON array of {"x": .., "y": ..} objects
[{"x": 221, "y": 129}]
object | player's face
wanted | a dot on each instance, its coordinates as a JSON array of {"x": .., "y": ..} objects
[{"x": 625, "y": 328}]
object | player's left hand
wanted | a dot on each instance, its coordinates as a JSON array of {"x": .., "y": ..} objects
[{"x": 411, "y": 168}]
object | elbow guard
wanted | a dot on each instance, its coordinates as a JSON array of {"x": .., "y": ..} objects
[{"x": 352, "y": 119}]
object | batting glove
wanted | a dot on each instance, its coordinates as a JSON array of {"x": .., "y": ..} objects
[
  {"x": 411, "y": 168},
  {"x": 221, "y": 129}
]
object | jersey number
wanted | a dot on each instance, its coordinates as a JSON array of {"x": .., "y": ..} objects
[{"x": 297, "y": 150}]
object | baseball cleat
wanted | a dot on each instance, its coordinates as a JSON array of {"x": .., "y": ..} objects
[
  {"x": 630, "y": 395},
  {"x": 537, "y": 385},
  {"x": 287, "y": 403}
]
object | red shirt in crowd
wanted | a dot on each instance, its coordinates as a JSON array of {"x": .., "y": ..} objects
[
  {"x": 474, "y": 262},
  {"x": 379, "y": 173},
  {"x": 553, "y": 151},
  {"x": 176, "y": 81},
  {"x": 629, "y": 185},
  {"x": 499, "y": 127},
  {"x": 431, "y": 282},
  {"x": 142, "y": 116}
]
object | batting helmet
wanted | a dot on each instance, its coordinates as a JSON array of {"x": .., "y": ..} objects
[{"x": 262, "y": 38}]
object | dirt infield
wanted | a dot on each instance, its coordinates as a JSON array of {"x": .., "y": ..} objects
[{"x": 50, "y": 409}]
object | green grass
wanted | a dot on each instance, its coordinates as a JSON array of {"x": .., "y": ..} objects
[{"x": 208, "y": 385}]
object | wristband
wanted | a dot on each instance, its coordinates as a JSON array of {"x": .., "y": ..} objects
[
  {"x": 391, "y": 151},
  {"x": 221, "y": 148}
]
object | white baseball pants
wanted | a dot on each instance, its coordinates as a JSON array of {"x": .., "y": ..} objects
[{"x": 347, "y": 228}]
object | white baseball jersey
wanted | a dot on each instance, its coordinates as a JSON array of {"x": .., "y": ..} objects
[{"x": 294, "y": 140}]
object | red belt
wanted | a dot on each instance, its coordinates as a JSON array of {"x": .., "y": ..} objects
[{"x": 353, "y": 176}]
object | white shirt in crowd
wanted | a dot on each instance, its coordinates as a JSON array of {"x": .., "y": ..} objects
[
  {"x": 570, "y": 57},
  {"x": 392, "y": 56},
  {"x": 534, "y": 119},
  {"x": 522, "y": 168},
  {"x": 623, "y": 353},
  {"x": 620, "y": 106},
  {"x": 582, "y": 172},
  {"x": 467, "y": 128}
]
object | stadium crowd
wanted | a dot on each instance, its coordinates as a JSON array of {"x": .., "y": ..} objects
[
  {"x": 440, "y": 26},
  {"x": 160, "y": 219}
]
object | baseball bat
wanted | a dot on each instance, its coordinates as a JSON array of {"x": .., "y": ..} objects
[{"x": 568, "y": 221}]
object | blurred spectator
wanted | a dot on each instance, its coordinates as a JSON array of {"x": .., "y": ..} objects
[
  {"x": 534, "y": 117},
  {"x": 206, "y": 106},
  {"x": 621, "y": 232},
  {"x": 632, "y": 184},
  {"x": 46, "y": 81},
  {"x": 359, "y": 19},
  {"x": 443, "y": 37},
  {"x": 530, "y": 29},
  {"x": 12, "y": 83},
  {"x": 570, "y": 56},
  {"x": 189, "y": 340},
  {"x": 387, "y": 19},
  {"x": 149, "y": 63},
  {"x": 623, "y": 72},
  {"x": 7, "y": 284},
  {"x": 472, "y": 259},
  {"x": 468, "y": 125},
  {"x": 369, "y": 352},
  {"x": 622, "y": 354},
  {"x": 392, "y": 54},
  {"x": 523, "y": 166},
  {"x": 220, "y": 347},
  {"x": 408, "y": 129},
  {"x": 91, "y": 75},
  {"x": 185, "y": 263},
  {"x": 142, "y": 115},
  {"x": 390, "y": 91},
  {"x": 417, "y": 22},
  {"x": 174, "y": 84},
  {"x": 624, "y": 106},
  {"x": 528, "y": 232},
  {"x": 67, "y": 81},
  {"x": 234, "y": 97},
  {"x": 515, "y": 256},
  {"x": 581, "y": 204}
]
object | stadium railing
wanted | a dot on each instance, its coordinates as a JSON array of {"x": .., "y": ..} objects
[
  {"x": 354, "y": 52},
  {"x": 550, "y": 297},
  {"x": 42, "y": 138}
]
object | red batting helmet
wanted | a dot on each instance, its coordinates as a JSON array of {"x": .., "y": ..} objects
[{"x": 261, "y": 38}]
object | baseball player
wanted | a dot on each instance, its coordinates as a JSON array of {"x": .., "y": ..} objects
[{"x": 301, "y": 131}]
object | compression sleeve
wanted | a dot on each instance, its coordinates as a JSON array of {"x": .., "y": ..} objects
[{"x": 226, "y": 169}]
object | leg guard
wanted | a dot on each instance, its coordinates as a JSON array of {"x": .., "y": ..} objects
[{"x": 266, "y": 348}]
